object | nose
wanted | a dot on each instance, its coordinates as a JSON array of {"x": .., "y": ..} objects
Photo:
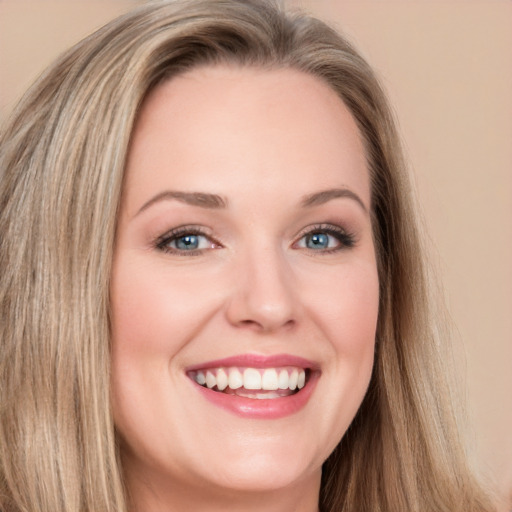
[{"x": 264, "y": 296}]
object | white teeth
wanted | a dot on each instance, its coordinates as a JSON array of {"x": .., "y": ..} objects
[
  {"x": 200, "y": 378},
  {"x": 222, "y": 379},
  {"x": 292, "y": 383},
  {"x": 269, "y": 380},
  {"x": 283, "y": 379},
  {"x": 211, "y": 381},
  {"x": 302, "y": 379},
  {"x": 265, "y": 395},
  {"x": 252, "y": 379},
  {"x": 235, "y": 379}
]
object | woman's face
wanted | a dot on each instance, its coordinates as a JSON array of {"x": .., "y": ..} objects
[{"x": 244, "y": 260}]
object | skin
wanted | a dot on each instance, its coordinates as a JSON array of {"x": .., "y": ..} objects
[{"x": 263, "y": 140}]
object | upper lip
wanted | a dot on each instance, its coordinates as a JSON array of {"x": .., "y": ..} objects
[{"x": 257, "y": 361}]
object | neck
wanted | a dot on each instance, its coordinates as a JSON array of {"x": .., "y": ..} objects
[{"x": 151, "y": 495}]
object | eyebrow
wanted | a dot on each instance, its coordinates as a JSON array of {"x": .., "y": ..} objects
[
  {"x": 214, "y": 201},
  {"x": 201, "y": 199},
  {"x": 324, "y": 196}
]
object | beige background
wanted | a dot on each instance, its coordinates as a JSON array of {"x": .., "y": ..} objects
[{"x": 448, "y": 69}]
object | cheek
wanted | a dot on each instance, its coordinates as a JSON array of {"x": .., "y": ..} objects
[
  {"x": 354, "y": 339},
  {"x": 345, "y": 305},
  {"x": 154, "y": 311},
  {"x": 155, "y": 314},
  {"x": 344, "y": 308},
  {"x": 347, "y": 317}
]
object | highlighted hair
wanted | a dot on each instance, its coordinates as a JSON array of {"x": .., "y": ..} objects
[{"x": 63, "y": 154}]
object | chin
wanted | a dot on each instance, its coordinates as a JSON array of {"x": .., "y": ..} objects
[
  {"x": 257, "y": 464},
  {"x": 262, "y": 474}
]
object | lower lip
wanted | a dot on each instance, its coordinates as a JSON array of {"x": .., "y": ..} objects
[{"x": 265, "y": 408}]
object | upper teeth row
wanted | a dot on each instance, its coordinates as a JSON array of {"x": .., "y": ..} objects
[{"x": 251, "y": 378}]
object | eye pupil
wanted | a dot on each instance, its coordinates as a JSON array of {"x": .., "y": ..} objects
[
  {"x": 187, "y": 242},
  {"x": 317, "y": 241}
]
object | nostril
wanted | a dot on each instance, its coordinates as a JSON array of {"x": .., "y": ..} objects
[
  {"x": 266, "y": 326},
  {"x": 263, "y": 301}
]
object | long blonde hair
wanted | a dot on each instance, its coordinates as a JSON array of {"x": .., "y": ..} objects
[{"x": 62, "y": 159}]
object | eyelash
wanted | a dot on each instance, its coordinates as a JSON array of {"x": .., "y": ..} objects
[
  {"x": 345, "y": 239},
  {"x": 162, "y": 242}
]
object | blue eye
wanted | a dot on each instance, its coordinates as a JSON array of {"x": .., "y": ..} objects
[
  {"x": 184, "y": 240},
  {"x": 318, "y": 241},
  {"x": 326, "y": 239}
]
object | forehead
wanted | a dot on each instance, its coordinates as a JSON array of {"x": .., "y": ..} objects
[{"x": 241, "y": 127}]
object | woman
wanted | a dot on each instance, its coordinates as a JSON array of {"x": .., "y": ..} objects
[{"x": 213, "y": 291}]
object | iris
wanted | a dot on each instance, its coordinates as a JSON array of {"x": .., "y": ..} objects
[
  {"x": 187, "y": 242},
  {"x": 317, "y": 241}
]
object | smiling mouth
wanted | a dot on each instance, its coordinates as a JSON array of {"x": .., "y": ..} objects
[{"x": 256, "y": 383}]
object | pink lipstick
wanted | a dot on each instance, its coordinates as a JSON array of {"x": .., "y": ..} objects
[{"x": 257, "y": 386}]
